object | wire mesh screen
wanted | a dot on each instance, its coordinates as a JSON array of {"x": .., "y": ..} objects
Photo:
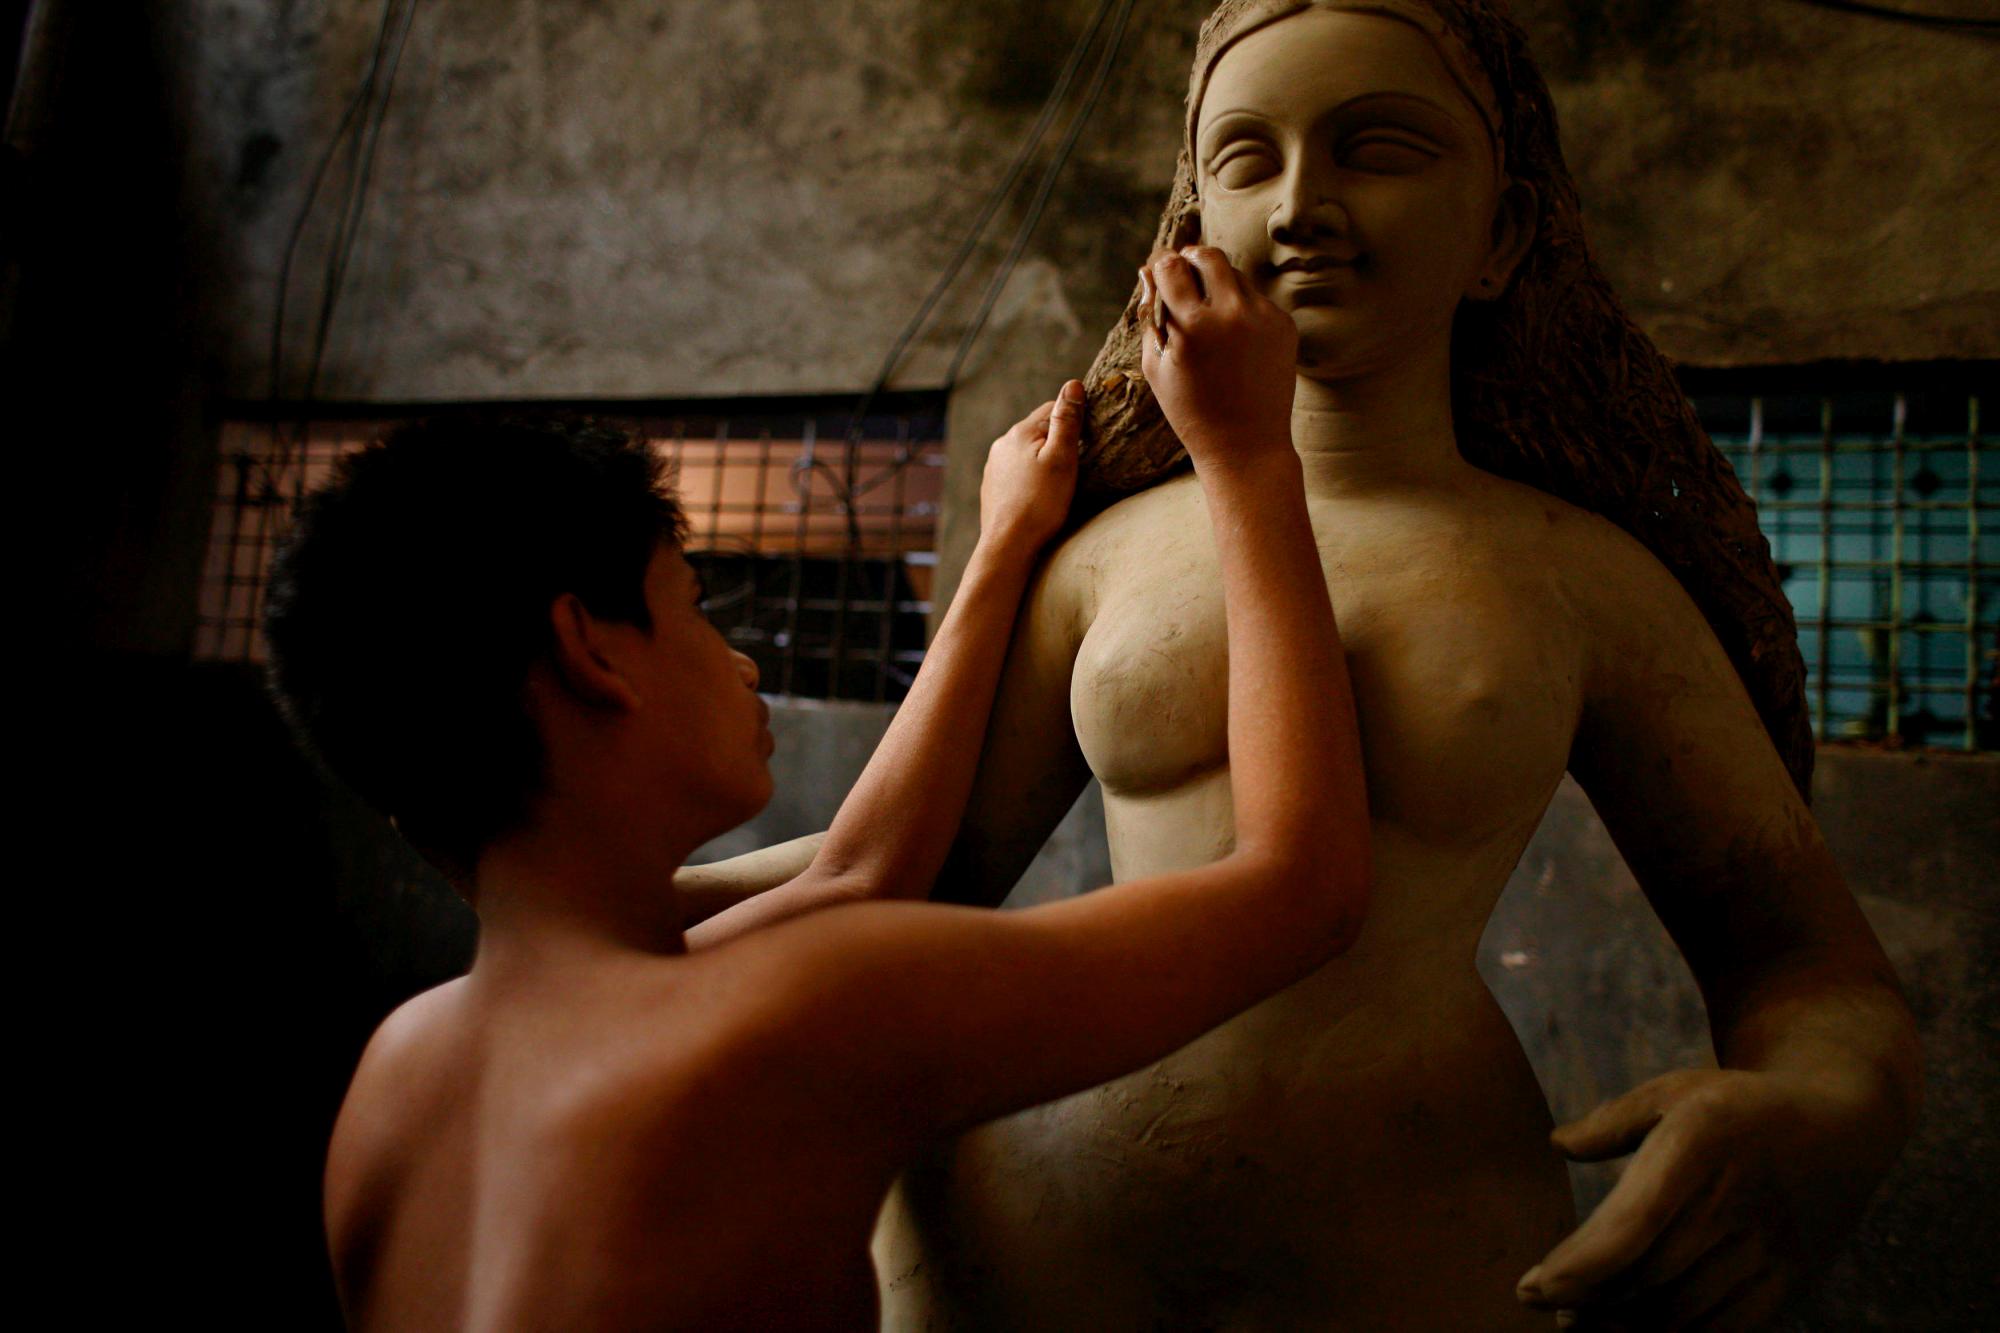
[
  {"x": 816, "y": 534},
  {"x": 1880, "y": 517},
  {"x": 818, "y": 543}
]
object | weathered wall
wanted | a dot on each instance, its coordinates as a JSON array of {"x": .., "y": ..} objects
[
  {"x": 584, "y": 199},
  {"x": 577, "y": 198}
]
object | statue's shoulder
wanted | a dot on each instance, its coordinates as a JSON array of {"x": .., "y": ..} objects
[
  {"x": 1121, "y": 542},
  {"x": 1566, "y": 534},
  {"x": 1141, "y": 516}
]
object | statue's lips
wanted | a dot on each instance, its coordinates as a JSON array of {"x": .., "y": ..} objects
[
  {"x": 1318, "y": 271},
  {"x": 1310, "y": 282}
]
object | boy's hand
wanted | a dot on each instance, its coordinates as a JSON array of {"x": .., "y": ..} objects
[
  {"x": 1221, "y": 359},
  {"x": 1031, "y": 474}
]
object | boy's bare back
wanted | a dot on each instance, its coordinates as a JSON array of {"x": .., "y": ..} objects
[{"x": 634, "y": 1150}]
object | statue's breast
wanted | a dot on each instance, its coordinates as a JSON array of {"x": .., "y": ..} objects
[{"x": 1464, "y": 658}]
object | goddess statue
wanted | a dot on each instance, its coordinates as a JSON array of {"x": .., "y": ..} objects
[{"x": 1539, "y": 563}]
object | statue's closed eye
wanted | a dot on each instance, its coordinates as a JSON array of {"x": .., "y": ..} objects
[
  {"x": 1241, "y": 166},
  {"x": 1387, "y": 154}
]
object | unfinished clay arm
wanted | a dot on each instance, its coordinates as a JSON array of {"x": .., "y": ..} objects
[
  {"x": 705, "y": 890},
  {"x": 1746, "y": 1177},
  {"x": 893, "y": 830}
]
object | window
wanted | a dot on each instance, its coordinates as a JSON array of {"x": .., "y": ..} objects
[
  {"x": 1880, "y": 510},
  {"x": 816, "y": 533}
]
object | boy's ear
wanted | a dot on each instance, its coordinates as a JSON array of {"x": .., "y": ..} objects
[{"x": 583, "y": 658}]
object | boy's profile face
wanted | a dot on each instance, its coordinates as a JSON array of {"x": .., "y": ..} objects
[{"x": 700, "y": 700}]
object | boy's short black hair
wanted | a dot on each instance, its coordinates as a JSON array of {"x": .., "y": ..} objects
[{"x": 414, "y": 594}]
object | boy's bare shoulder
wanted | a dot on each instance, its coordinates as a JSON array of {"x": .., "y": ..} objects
[{"x": 406, "y": 1071}]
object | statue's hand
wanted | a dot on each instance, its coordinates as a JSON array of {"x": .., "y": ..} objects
[
  {"x": 1221, "y": 359},
  {"x": 1743, "y": 1182}
]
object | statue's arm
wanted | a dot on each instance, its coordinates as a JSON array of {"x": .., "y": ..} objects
[
  {"x": 1746, "y": 1176},
  {"x": 707, "y": 890}
]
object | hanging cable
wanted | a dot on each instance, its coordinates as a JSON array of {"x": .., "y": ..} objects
[
  {"x": 1057, "y": 93},
  {"x": 1042, "y": 193},
  {"x": 342, "y": 251},
  {"x": 842, "y": 481},
  {"x": 359, "y": 130},
  {"x": 362, "y": 94},
  {"x": 1949, "y": 22},
  {"x": 1031, "y": 219}
]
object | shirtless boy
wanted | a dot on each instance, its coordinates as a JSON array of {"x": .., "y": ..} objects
[{"x": 625, "y": 1118}]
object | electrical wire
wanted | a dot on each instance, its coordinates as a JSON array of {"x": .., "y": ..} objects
[
  {"x": 842, "y": 481},
  {"x": 370, "y": 113},
  {"x": 342, "y": 252},
  {"x": 1025, "y": 153},
  {"x": 1042, "y": 193},
  {"x": 362, "y": 93},
  {"x": 1948, "y": 22},
  {"x": 847, "y": 490}
]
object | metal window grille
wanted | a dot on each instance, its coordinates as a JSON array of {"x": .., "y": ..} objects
[
  {"x": 816, "y": 534},
  {"x": 1880, "y": 510},
  {"x": 1879, "y": 506}
]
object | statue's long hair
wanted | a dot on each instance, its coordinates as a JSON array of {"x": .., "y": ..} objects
[{"x": 1552, "y": 385}]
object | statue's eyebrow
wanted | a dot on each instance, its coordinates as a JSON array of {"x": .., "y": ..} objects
[
  {"x": 1418, "y": 100},
  {"x": 1223, "y": 118},
  {"x": 1206, "y": 145}
]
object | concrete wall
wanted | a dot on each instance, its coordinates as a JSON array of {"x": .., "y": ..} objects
[{"x": 579, "y": 198}]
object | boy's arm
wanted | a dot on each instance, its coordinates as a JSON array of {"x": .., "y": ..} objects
[
  {"x": 896, "y": 825},
  {"x": 943, "y": 1016}
]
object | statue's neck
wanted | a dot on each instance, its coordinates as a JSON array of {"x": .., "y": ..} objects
[{"x": 1388, "y": 427}]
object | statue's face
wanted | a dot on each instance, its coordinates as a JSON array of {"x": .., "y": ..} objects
[{"x": 1344, "y": 172}]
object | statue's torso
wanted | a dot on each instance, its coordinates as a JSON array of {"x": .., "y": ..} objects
[{"x": 1367, "y": 1149}]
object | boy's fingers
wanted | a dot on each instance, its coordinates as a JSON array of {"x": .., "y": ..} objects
[
  {"x": 1180, "y": 288},
  {"x": 1036, "y": 424},
  {"x": 1066, "y": 420},
  {"x": 1218, "y": 275}
]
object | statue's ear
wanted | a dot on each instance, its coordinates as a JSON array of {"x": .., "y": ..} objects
[
  {"x": 1187, "y": 231},
  {"x": 1516, "y": 220}
]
